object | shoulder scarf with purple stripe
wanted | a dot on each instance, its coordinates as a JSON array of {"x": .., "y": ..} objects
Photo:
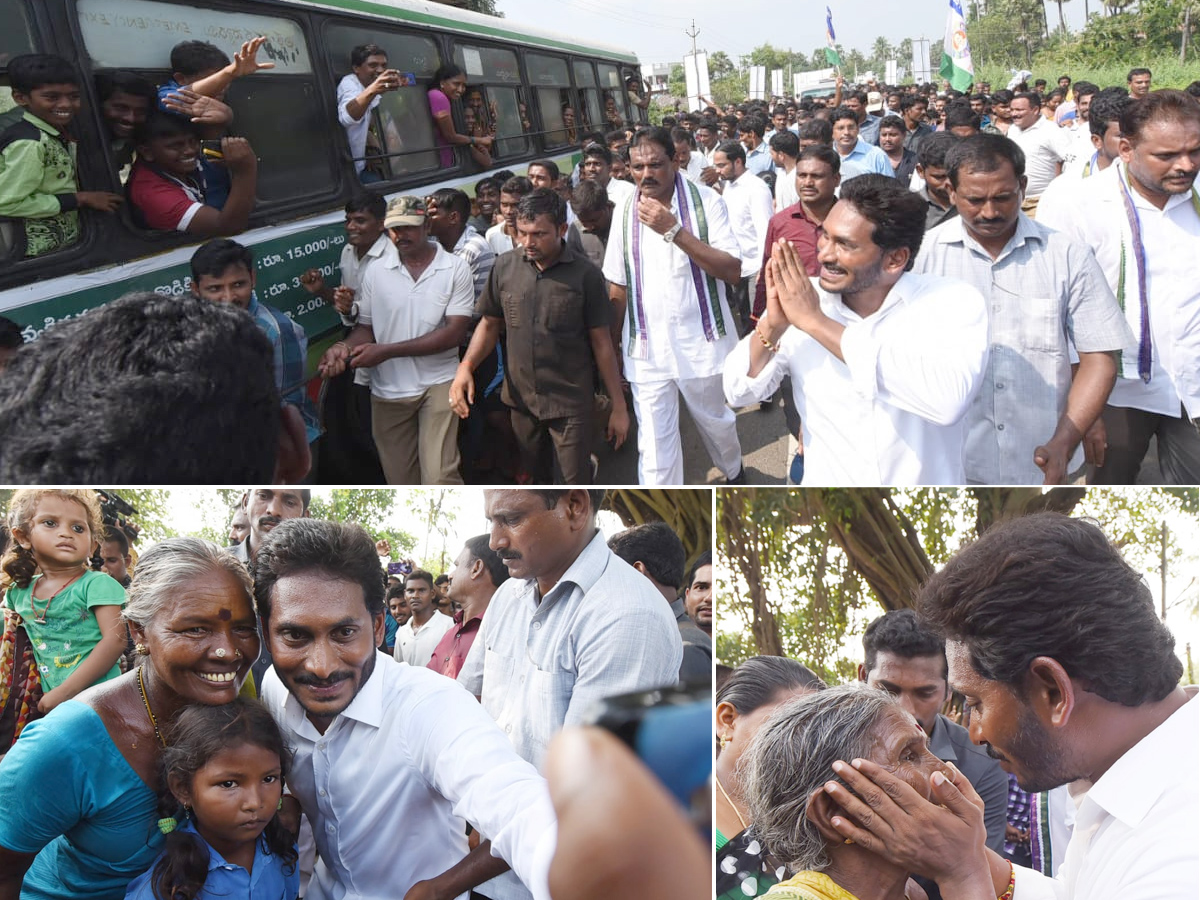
[
  {"x": 1130, "y": 282},
  {"x": 693, "y": 219}
]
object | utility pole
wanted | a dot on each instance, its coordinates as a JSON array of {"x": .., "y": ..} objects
[{"x": 692, "y": 34}]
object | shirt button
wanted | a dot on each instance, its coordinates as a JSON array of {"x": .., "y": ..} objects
[
  {"x": 1000, "y": 427},
  {"x": 537, "y": 625},
  {"x": 508, "y": 729},
  {"x": 330, "y": 829},
  {"x": 1000, "y": 386},
  {"x": 322, "y": 792}
]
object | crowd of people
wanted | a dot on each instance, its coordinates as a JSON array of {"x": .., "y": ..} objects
[
  {"x": 1037, "y": 786},
  {"x": 943, "y": 288},
  {"x": 292, "y": 714}
]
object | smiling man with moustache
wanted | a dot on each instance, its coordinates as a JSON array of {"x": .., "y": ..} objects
[
  {"x": 389, "y": 759},
  {"x": 884, "y": 363},
  {"x": 573, "y": 624}
]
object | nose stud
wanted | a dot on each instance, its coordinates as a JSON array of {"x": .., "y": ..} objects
[{"x": 220, "y": 653}]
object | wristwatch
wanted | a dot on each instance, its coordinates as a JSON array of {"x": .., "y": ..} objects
[
  {"x": 671, "y": 232},
  {"x": 353, "y": 312}
]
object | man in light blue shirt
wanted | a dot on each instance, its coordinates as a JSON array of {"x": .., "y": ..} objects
[
  {"x": 758, "y": 155},
  {"x": 858, "y": 157}
]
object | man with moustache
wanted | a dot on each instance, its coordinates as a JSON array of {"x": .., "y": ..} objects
[
  {"x": 414, "y": 311},
  {"x": 477, "y": 573},
  {"x": 573, "y": 624},
  {"x": 391, "y": 761},
  {"x": 884, "y": 363},
  {"x": 1031, "y": 613}
]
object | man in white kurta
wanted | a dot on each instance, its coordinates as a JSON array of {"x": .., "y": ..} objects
[{"x": 670, "y": 255}]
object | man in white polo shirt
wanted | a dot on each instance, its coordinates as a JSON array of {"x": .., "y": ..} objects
[
  {"x": 413, "y": 312},
  {"x": 1044, "y": 143},
  {"x": 750, "y": 206}
]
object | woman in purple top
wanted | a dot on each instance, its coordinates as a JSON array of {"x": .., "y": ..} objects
[{"x": 450, "y": 83}]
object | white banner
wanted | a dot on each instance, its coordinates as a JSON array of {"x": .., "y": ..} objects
[
  {"x": 777, "y": 82},
  {"x": 758, "y": 82},
  {"x": 695, "y": 77}
]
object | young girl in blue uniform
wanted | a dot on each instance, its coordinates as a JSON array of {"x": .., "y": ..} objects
[{"x": 224, "y": 765}]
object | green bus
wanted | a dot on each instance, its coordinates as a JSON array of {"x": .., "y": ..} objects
[{"x": 528, "y": 76}]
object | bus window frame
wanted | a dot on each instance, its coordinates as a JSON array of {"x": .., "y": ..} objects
[
  {"x": 543, "y": 133},
  {"x": 580, "y": 100},
  {"x": 523, "y": 87}
]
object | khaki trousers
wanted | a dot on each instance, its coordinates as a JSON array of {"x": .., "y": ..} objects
[{"x": 417, "y": 437}]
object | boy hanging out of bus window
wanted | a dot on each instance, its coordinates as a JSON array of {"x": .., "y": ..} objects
[
  {"x": 37, "y": 156},
  {"x": 169, "y": 189}
]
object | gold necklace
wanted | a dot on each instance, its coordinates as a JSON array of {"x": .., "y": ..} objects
[
  {"x": 149, "y": 711},
  {"x": 721, "y": 788}
]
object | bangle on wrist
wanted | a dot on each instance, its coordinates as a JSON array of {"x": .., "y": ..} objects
[
  {"x": 774, "y": 348},
  {"x": 1012, "y": 883}
]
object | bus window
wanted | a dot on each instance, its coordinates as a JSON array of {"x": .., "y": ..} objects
[
  {"x": 588, "y": 114},
  {"x": 400, "y": 140},
  {"x": 551, "y": 91},
  {"x": 612, "y": 95},
  {"x": 494, "y": 103}
]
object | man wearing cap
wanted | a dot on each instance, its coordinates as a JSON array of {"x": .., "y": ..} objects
[{"x": 414, "y": 310}]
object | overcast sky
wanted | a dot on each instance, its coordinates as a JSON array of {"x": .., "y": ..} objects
[{"x": 656, "y": 31}]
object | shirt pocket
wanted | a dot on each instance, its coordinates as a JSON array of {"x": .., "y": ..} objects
[
  {"x": 511, "y": 309},
  {"x": 432, "y": 314},
  {"x": 1041, "y": 326},
  {"x": 560, "y": 313}
]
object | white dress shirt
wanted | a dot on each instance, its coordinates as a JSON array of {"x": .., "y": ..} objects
[
  {"x": 415, "y": 646},
  {"x": 353, "y": 271},
  {"x": 750, "y": 206},
  {"x": 1172, "y": 239},
  {"x": 389, "y": 784},
  {"x": 356, "y": 129},
  {"x": 1045, "y": 148},
  {"x": 785, "y": 189},
  {"x": 678, "y": 348},
  {"x": 1137, "y": 832},
  {"x": 619, "y": 192},
  {"x": 399, "y": 309},
  {"x": 893, "y": 412}
]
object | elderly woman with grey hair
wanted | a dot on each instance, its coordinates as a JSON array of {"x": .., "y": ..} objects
[
  {"x": 79, "y": 789},
  {"x": 784, "y": 773}
]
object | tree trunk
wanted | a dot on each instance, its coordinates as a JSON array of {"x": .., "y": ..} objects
[
  {"x": 1062, "y": 20},
  {"x": 744, "y": 546},
  {"x": 689, "y": 513}
]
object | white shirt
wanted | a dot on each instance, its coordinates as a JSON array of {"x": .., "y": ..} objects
[
  {"x": 1172, "y": 240},
  {"x": 356, "y": 129},
  {"x": 389, "y": 784},
  {"x": 750, "y": 206},
  {"x": 499, "y": 240},
  {"x": 893, "y": 412},
  {"x": 1077, "y": 145},
  {"x": 415, "y": 646},
  {"x": 694, "y": 167},
  {"x": 400, "y": 309},
  {"x": 1067, "y": 189},
  {"x": 1044, "y": 144},
  {"x": 677, "y": 345},
  {"x": 1137, "y": 832},
  {"x": 785, "y": 189},
  {"x": 353, "y": 269},
  {"x": 619, "y": 192}
]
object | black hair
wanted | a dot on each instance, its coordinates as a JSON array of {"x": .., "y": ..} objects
[
  {"x": 197, "y": 369},
  {"x": 961, "y": 114},
  {"x": 1139, "y": 71},
  {"x": 419, "y": 575},
  {"x": 1107, "y": 107},
  {"x": 683, "y": 136},
  {"x": 216, "y": 256},
  {"x": 1083, "y": 88},
  {"x": 1193, "y": 89},
  {"x": 819, "y": 130},
  {"x": 453, "y": 200},
  {"x": 442, "y": 579},
  {"x": 337, "y": 550},
  {"x": 444, "y": 71},
  {"x": 652, "y": 134},
  {"x": 1033, "y": 98},
  {"x": 931, "y": 153},
  {"x": 592, "y": 137},
  {"x": 842, "y": 112},
  {"x": 732, "y": 150},
  {"x": 363, "y": 52},
  {"x": 1158, "y": 106},
  {"x": 542, "y": 201},
  {"x": 600, "y": 151},
  {"x": 34, "y": 70},
  {"x": 192, "y": 58},
  {"x": 900, "y": 632},
  {"x": 617, "y": 136},
  {"x": 751, "y": 123},
  {"x": 368, "y": 202},
  {"x": 518, "y": 186},
  {"x": 1050, "y": 585},
  {"x": 160, "y": 124},
  {"x": 394, "y": 590},
  {"x": 704, "y": 559},
  {"x": 480, "y": 548},
  {"x": 10, "y": 334},
  {"x": 109, "y": 81},
  {"x": 785, "y": 142},
  {"x": 825, "y": 154},
  {"x": 908, "y": 101},
  {"x": 894, "y": 122},
  {"x": 116, "y": 536},
  {"x": 502, "y": 175},
  {"x": 485, "y": 182},
  {"x": 897, "y": 214},
  {"x": 657, "y": 547},
  {"x": 588, "y": 197},
  {"x": 549, "y": 165},
  {"x": 1004, "y": 95},
  {"x": 198, "y": 734},
  {"x": 551, "y": 497},
  {"x": 759, "y": 679}
]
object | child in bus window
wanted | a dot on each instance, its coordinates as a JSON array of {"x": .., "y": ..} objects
[{"x": 37, "y": 166}]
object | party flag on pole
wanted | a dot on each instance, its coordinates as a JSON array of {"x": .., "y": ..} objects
[
  {"x": 831, "y": 53},
  {"x": 956, "y": 64}
]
